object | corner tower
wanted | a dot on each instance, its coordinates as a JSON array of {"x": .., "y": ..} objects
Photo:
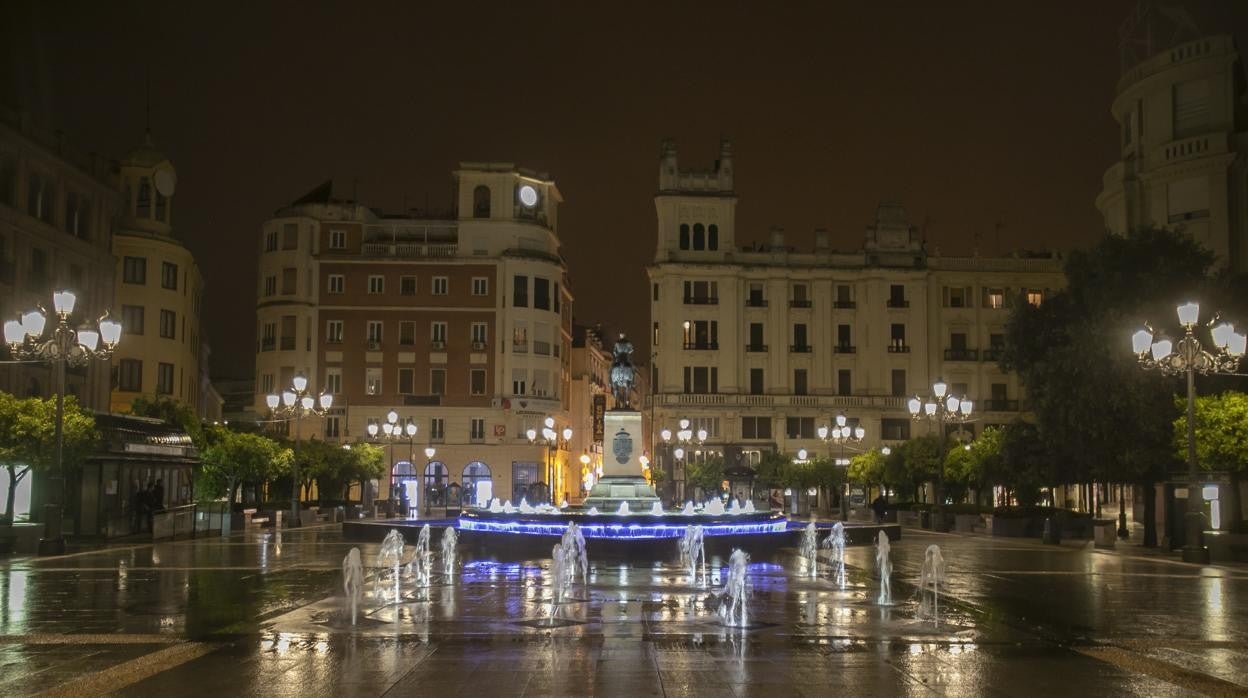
[{"x": 696, "y": 209}]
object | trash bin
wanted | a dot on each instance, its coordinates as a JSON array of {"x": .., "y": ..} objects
[
  {"x": 1104, "y": 533},
  {"x": 1052, "y": 531},
  {"x": 925, "y": 520}
]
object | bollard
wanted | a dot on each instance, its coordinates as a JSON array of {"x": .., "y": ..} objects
[{"x": 1052, "y": 531}]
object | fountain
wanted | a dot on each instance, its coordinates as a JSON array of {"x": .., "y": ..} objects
[
  {"x": 810, "y": 549},
  {"x": 525, "y": 507},
  {"x": 391, "y": 557},
  {"x": 749, "y": 506},
  {"x": 558, "y": 579},
  {"x": 836, "y": 542},
  {"x": 688, "y": 510},
  {"x": 693, "y": 553},
  {"x": 732, "y": 601},
  {"x": 656, "y": 509},
  {"x": 421, "y": 560},
  {"x": 714, "y": 507},
  {"x": 450, "y": 541},
  {"x": 623, "y": 510},
  {"x": 885, "y": 568},
  {"x": 931, "y": 575},
  {"x": 573, "y": 542},
  {"x": 353, "y": 580}
]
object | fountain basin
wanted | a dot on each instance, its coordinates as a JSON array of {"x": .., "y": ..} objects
[{"x": 633, "y": 526}]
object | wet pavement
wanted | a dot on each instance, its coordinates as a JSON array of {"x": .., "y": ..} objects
[{"x": 264, "y": 614}]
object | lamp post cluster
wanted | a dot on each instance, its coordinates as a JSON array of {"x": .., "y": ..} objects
[
  {"x": 1155, "y": 352},
  {"x": 684, "y": 439},
  {"x": 941, "y": 408},
  {"x": 550, "y": 439},
  {"x": 842, "y": 435},
  {"x": 60, "y": 346},
  {"x": 295, "y": 403},
  {"x": 391, "y": 431}
]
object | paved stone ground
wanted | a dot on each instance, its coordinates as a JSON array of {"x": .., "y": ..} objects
[{"x": 262, "y": 614}]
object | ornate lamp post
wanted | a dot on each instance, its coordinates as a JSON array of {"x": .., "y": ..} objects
[
  {"x": 391, "y": 431},
  {"x": 549, "y": 439},
  {"x": 1190, "y": 357},
  {"x": 842, "y": 435},
  {"x": 684, "y": 438},
  {"x": 62, "y": 346},
  {"x": 295, "y": 403},
  {"x": 941, "y": 408},
  {"x": 430, "y": 452}
]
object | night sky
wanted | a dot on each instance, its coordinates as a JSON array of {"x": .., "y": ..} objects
[{"x": 985, "y": 118}]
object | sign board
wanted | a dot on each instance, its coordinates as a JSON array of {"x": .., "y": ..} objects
[{"x": 600, "y": 411}]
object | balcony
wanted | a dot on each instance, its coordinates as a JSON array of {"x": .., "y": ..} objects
[
  {"x": 701, "y": 300},
  {"x": 702, "y": 345},
  {"x": 756, "y": 302},
  {"x": 1000, "y": 405},
  {"x": 520, "y": 348},
  {"x": 992, "y": 354},
  {"x": 844, "y": 305},
  {"x": 756, "y": 348},
  {"x": 845, "y": 349},
  {"x": 799, "y": 303},
  {"x": 961, "y": 355},
  {"x": 883, "y": 402},
  {"x": 898, "y": 348},
  {"x": 799, "y": 349},
  {"x": 541, "y": 348},
  {"x": 268, "y": 344},
  {"x": 898, "y": 303}
]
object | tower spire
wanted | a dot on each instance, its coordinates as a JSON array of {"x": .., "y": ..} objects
[{"x": 147, "y": 109}]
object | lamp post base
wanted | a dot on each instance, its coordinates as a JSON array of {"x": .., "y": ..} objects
[{"x": 1195, "y": 550}]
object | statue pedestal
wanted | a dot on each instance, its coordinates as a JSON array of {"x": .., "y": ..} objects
[{"x": 622, "y": 480}]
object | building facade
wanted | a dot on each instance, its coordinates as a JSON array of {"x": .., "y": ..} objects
[
  {"x": 460, "y": 324},
  {"x": 159, "y": 292},
  {"x": 761, "y": 344},
  {"x": 1184, "y": 138},
  {"x": 57, "y": 210}
]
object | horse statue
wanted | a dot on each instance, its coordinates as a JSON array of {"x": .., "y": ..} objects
[{"x": 623, "y": 374}]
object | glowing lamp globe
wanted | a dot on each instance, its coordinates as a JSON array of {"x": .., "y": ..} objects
[
  {"x": 914, "y": 405},
  {"x": 1141, "y": 341},
  {"x": 392, "y": 416},
  {"x": 666, "y": 434},
  {"x": 63, "y": 302},
  {"x": 939, "y": 388},
  {"x": 110, "y": 332},
  {"x": 13, "y": 332},
  {"x": 410, "y": 429},
  {"x": 1162, "y": 349},
  {"x": 840, "y": 420},
  {"x": 288, "y": 398},
  {"x": 965, "y": 408},
  {"x": 88, "y": 338},
  {"x": 372, "y": 428},
  {"x": 679, "y": 453},
  {"x": 567, "y": 433},
  {"x": 1189, "y": 313},
  {"x": 823, "y": 432},
  {"x": 307, "y": 402},
  {"x": 532, "y": 434},
  {"x": 951, "y": 403},
  {"x": 550, "y": 422},
  {"x": 300, "y": 382},
  {"x": 272, "y": 401},
  {"x": 702, "y": 434},
  {"x": 326, "y": 401},
  {"x": 801, "y": 454},
  {"x": 859, "y": 433},
  {"x": 1236, "y": 345},
  {"x": 33, "y": 322},
  {"x": 1222, "y": 334},
  {"x": 930, "y": 409},
  {"x": 429, "y": 451}
]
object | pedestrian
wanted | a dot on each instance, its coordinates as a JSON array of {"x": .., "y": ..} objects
[
  {"x": 158, "y": 496},
  {"x": 149, "y": 503},
  {"x": 136, "y": 507},
  {"x": 878, "y": 506}
]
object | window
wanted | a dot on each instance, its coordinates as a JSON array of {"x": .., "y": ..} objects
[
  {"x": 440, "y": 285},
  {"x": 164, "y": 378},
  {"x": 712, "y": 237},
  {"x": 755, "y": 298},
  {"x": 843, "y": 297},
  {"x": 288, "y": 332},
  {"x": 407, "y": 333},
  {"x": 290, "y": 281},
  {"x": 897, "y": 338},
  {"x": 437, "y": 332},
  {"x": 372, "y": 380},
  {"x": 376, "y": 284},
  {"x": 374, "y": 332},
  {"x": 756, "y": 337},
  {"x": 132, "y": 319},
  {"x": 134, "y": 270},
  {"x": 38, "y": 265},
  {"x": 476, "y": 381},
  {"x": 844, "y": 338},
  {"x": 701, "y": 379},
  {"x": 897, "y": 296},
  {"x": 699, "y": 236},
  {"x": 437, "y": 429},
  {"x": 899, "y": 382},
  {"x": 894, "y": 429},
  {"x": 801, "y": 296},
  {"x": 337, "y": 240},
  {"x": 168, "y": 324},
  {"x": 684, "y": 236},
  {"x": 337, "y": 282},
  {"x": 169, "y": 276},
  {"x": 268, "y": 334},
  {"x": 407, "y": 285},
  {"x": 844, "y": 382},
  {"x": 477, "y": 334},
  {"x": 266, "y": 383},
  {"x": 539, "y": 385},
  {"x": 40, "y": 197},
  {"x": 556, "y": 298},
  {"x": 333, "y": 332},
  {"x": 270, "y": 285},
  {"x": 480, "y": 286},
  {"x": 996, "y": 340},
  {"x": 1034, "y": 297},
  {"x": 270, "y": 241},
  {"x": 701, "y": 292},
  {"x": 290, "y": 236},
  {"x": 957, "y": 296},
  {"x": 756, "y": 427},
  {"x": 520, "y": 338},
  {"x": 333, "y": 427},
  {"x": 1191, "y": 107},
  {"x": 541, "y": 293},
  {"x": 476, "y": 429},
  {"x": 799, "y": 381},
  {"x": 654, "y": 292},
  {"x": 799, "y": 338},
  {"x": 702, "y": 334},
  {"x": 520, "y": 291},
  {"x": 1187, "y": 199},
  {"x": 756, "y": 381},
  {"x": 437, "y": 381},
  {"x": 407, "y": 381},
  {"x": 130, "y": 376},
  {"x": 519, "y": 381},
  {"x": 333, "y": 381},
  {"x": 799, "y": 427},
  {"x": 481, "y": 202}
]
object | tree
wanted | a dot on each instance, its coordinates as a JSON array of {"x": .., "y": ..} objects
[
  {"x": 978, "y": 467},
  {"x": 237, "y": 458},
  {"x": 707, "y": 475},
  {"x": 867, "y": 468},
  {"x": 1026, "y": 462},
  {"x": 1099, "y": 415},
  {"x": 28, "y": 438},
  {"x": 1221, "y": 438},
  {"x": 922, "y": 458},
  {"x": 173, "y": 413}
]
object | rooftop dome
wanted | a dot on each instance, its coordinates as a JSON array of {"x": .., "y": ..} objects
[{"x": 145, "y": 155}]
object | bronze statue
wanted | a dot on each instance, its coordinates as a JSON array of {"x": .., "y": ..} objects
[{"x": 623, "y": 374}]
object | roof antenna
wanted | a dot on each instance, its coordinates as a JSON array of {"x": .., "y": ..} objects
[{"x": 147, "y": 126}]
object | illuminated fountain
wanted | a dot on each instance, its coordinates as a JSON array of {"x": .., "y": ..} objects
[
  {"x": 885, "y": 567},
  {"x": 450, "y": 543},
  {"x": 931, "y": 576},
  {"x": 422, "y": 559},
  {"x": 353, "y": 580},
  {"x": 574, "y": 547},
  {"x": 836, "y": 543},
  {"x": 733, "y": 605},
  {"x": 810, "y": 549},
  {"x": 391, "y": 557},
  {"x": 693, "y": 553}
]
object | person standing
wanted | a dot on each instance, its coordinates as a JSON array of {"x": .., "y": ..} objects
[
  {"x": 878, "y": 506},
  {"x": 136, "y": 507}
]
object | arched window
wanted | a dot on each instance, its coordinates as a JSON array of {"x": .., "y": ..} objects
[
  {"x": 699, "y": 237},
  {"x": 403, "y": 469},
  {"x": 684, "y": 236},
  {"x": 477, "y": 475},
  {"x": 481, "y": 202},
  {"x": 712, "y": 237},
  {"x": 435, "y": 482},
  {"x": 143, "y": 205}
]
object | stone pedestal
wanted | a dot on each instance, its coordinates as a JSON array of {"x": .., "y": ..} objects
[{"x": 622, "y": 479}]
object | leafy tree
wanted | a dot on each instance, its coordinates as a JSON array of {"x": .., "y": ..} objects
[
  {"x": 773, "y": 469},
  {"x": 978, "y": 467},
  {"x": 1026, "y": 462},
  {"x": 1100, "y": 416},
  {"x": 1221, "y": 437},
  {"x": 707, "y": 475},
  {"x": 868, "y": 468},
  {"x": 922, "y": 458},
  {"x": 237, "y": 458},
  {"x": 28, "y": 438}
]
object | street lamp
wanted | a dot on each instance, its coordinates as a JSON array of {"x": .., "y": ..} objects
[
  {"x": 392, "y": 431},
  {"x": 843, "y": 435},
  {"x": 62, "y": 346},
  {"x": 430, "y": 452},
  {"x": 1154, "y": 351},
  {"x": 684, "y": 437},
  {"x": 295, "y": 403},
  {"x": 941, "y": 408},
  {"x": 549, "y": 439}
]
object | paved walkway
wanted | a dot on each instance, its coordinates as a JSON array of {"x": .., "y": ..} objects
[{"x": 263, "y": 614}]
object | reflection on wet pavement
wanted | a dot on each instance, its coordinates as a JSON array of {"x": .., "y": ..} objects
[{"x": 264, "y": 614}]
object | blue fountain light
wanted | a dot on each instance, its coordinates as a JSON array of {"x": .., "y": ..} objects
[{"x": 632, "y": 531}]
